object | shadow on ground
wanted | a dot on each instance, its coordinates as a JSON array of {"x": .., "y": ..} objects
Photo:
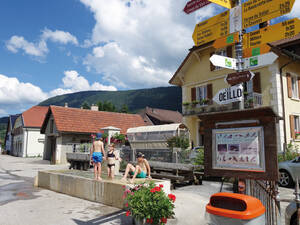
[{"x": 115, "y": 218}]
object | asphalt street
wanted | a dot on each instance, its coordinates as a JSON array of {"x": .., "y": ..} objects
[{"x": 23, "y": 204}]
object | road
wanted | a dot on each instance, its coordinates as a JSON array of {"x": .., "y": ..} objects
[{"x": 22, "y": 203}]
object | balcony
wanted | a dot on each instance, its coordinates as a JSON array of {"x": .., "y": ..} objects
[{"x": 251, "y": 100}]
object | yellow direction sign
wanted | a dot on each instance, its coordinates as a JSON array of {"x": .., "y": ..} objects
[
  {"x": 285, "y": 29},
  {"x": 211, "y": 29},
  {"x": 258, "y": 11},
  {"x": 262, "y": 49},
  {"x": 226, "y": 40},
  {"x": 225, "y": 3}
]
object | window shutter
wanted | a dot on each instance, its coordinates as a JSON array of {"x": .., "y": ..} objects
[
  {"x": 256, "y": 83},
  {"x": 292, "y": 127},
  {"x": 209, "y": 93},
  {"x": 298, "y": 87},
  {"x": 212, "y": 67},
  {"x": 193, "y": 94},
  {"x": 229, "y": 51},
  {"x": 289, "y": 84}
]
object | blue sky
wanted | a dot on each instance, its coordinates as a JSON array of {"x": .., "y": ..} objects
[{"x": 52, "y": 47}]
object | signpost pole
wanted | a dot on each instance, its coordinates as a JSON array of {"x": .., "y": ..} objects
[{"x": 239, "y": 53}]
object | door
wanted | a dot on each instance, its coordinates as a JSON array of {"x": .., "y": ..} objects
[{"x": 52, "y": 150}]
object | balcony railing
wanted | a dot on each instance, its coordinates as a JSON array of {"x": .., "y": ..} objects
[{"x": 251, "y": 100}]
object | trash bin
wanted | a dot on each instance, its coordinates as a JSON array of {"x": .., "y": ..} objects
[{"x": 234, "y": 209}]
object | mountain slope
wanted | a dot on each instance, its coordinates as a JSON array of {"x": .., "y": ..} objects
[{"x": 162, "y": 97}]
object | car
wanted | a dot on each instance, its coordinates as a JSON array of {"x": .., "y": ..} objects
[
  {"x": 291, "y": 214},
  {"x": 289, "y": 171}
]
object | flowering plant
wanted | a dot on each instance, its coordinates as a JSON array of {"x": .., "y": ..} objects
[{"x": 149, "y": 203}]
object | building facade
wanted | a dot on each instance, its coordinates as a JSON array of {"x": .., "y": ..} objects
[
  {"x": 276, "y": 85},
  {"x": 27, "y": 140}
]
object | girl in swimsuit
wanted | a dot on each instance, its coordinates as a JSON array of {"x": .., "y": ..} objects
[{"x": 111, "y": 157}]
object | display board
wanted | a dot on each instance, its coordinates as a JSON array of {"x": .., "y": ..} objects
[{"x": 238, "y": 149}]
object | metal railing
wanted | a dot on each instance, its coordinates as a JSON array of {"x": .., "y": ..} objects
[{"x": 266, "y": 192}]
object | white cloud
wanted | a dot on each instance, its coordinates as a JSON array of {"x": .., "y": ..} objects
[
  {"x": 18, "y": 42},
  {"x": 296, "y": 10},
  {"x": 73, "y": 82},
  {"x": 39, "y": 48},
  {"x": 158, "y": 31},
  {"x": 13, "y": 91},
  {"x": 59, "y": 36}
]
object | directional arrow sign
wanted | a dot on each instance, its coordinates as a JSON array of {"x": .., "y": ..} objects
[
  {"x": 211, "y": 29},
  {"x": 194, "y": 5},
  {"x": 258, "y": 11},
  {"x": 260, "y": 60},
  {"x": 226, "y": 40},
  {"x": 228, "y": 95},
  {"x": 225, "y": 3},
  {"x": 239, "y": 77},
  {"x": 223, "y": 61},
  {"x": 285, "y": 29},
  {"x": 261, "y": 49}
]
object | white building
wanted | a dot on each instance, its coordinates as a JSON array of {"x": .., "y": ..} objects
[{"x": 27, "y": 139}]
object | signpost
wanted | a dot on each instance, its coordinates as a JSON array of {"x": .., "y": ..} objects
[
  {"x": 211, "y": 29},
  {"x": 226, "y": 40},
  {"x": 239, "y": 77},
  {"x": 260, "y": 60},
  {"x": 258, "y": 11},
  {"x": 261, "y": 49},
  {"x": 285, "y": 29},
  {"x": 225, "y": 3},
  {"x": 229, "y": 95},
  {"x": 223, "y": 61},
  {"x": 194, "y": 5}
]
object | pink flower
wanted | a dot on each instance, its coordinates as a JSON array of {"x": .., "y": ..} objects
[
  {"x": 132, "y": 193},
  {"x": 126, "y": 205},
  {"x": 123, "y": 186},
  {"x": 128, "y": 213}
]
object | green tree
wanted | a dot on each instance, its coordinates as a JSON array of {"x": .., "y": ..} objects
[
  {"x": 85, "y": 105},
  {"x": 124, "y": 109},
  {"x": 100, "y": 106},
  {"x": 108, "y": 106}
]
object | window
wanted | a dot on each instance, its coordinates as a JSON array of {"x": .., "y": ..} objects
[
  {"x": 297, "y": 123},
  {"x": 295, "y": 88},
  {"x": 201, "y": 94}
]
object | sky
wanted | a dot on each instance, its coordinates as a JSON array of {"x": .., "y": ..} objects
[{"x": 53, "y": 47}]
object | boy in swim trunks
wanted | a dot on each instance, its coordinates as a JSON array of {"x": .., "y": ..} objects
[
  {"x": 97, "y": 155},
  {"x": 141, "y": 170}
]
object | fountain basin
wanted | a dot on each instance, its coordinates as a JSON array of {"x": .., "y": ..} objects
[{"x": 82, "y": 185}]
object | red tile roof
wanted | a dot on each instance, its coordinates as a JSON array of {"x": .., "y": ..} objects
[
  {"x": 34, "y": 117},
  {"x": 162, "y": 115},
  {"x": 89, "y": 121}
]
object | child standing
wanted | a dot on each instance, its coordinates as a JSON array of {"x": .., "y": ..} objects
[
  {"x": 111, "y": 157},
  {"x": 97, "y": 155}
]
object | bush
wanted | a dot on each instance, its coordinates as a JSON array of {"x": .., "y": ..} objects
[
  {"x": 149, "y": 202},
  {"x": 291, "y": 152},
  {"x": 199, "y": 160},
  {"x": 178, "y": 142}
]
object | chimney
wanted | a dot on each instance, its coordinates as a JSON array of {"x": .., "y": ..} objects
[
  {"x": 94, "y": 107},
  {"x": 66, "y": 104}
]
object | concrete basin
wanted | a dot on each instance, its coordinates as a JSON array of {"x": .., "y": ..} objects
[{"x": 82, "y": 185}]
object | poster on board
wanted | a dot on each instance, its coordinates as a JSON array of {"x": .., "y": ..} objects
[{"x": 239, "y": 149}]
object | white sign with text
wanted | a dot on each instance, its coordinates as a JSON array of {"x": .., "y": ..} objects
[{"x": 229, "y": 95}]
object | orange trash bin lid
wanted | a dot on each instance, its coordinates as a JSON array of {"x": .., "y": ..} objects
[{"x": 237, "y": 206}]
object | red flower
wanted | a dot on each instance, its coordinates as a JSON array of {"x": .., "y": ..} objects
[
  {"x": 153, "y": 190},
  {"x": 163, "y": 220},
  {"x": 161, "y": 185},
  {"x": 172, "y": 197},
  {"x": 128, "y": 213},
  {"x": 123, "y": 186},
  {"x": 126, "y": 205},
  {"x": 149, "y": 220}
]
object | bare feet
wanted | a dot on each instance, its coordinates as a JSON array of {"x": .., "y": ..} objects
[
  {"x": 124, "y": 179},
  {"x": 132, "y": 181},
  {"x": 99, "y": 178}
]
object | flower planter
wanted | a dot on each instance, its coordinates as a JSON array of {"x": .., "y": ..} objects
[{"x": 137, "y": 221}]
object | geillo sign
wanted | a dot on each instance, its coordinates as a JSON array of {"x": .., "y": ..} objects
[{"x": 228, "y": 95}]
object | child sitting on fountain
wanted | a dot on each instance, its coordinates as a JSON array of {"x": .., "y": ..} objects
[
  {"x": 111, "y": 157},
  {"x": 97, "y": 155},
  {"x": 141, "y": 170}
]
